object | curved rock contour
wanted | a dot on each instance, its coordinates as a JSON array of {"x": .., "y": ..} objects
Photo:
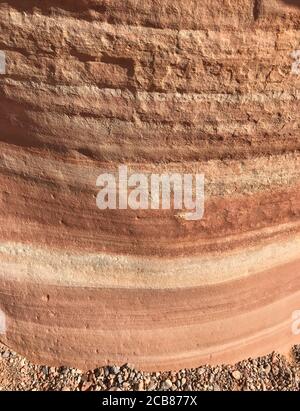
[{"x": 174, "y": 86}]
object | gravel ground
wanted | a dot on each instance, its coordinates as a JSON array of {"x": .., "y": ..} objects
[{"x": 273, "y": 372}]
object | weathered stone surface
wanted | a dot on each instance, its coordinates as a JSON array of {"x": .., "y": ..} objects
[{"x": 162, "y": 86}]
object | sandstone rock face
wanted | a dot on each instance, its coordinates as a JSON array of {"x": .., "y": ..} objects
[{"x": 184, "y": 85}]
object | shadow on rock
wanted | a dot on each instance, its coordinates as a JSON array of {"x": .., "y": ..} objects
[{"x": 295, "y": 3}]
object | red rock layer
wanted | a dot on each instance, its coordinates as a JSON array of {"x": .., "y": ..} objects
[{"x": 181, "y": 86}]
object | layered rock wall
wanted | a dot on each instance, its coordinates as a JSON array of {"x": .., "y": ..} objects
[{"x": 161, "y": 86}]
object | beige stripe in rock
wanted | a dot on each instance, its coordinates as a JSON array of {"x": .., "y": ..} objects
[
  {"x": 32, "y": 264},
  {"x": 94, "y": 92}
]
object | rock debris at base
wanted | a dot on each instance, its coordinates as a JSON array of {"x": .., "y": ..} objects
[{"x": 270, "y": 373}]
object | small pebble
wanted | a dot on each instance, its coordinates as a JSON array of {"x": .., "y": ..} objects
[{"x": 236, "y": 375}]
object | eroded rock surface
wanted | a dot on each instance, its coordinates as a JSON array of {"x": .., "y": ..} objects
[{"x": 161, "y": 86}]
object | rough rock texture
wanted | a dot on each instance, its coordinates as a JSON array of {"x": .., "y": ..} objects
[{"x": 184, "y": 85}]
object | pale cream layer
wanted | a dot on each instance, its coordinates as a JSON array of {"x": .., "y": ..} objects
[{"x": 49, "y": 266}]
